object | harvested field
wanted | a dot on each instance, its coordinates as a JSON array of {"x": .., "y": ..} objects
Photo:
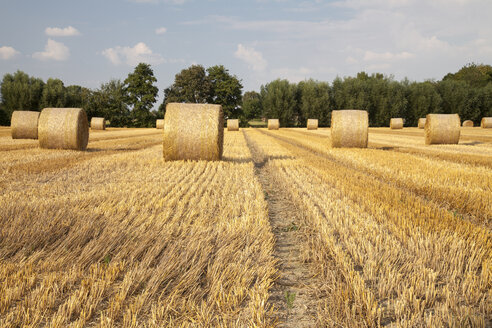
[{"x": 285, "y": 231}]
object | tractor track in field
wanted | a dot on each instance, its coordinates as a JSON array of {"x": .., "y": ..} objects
[{"x": 291, "y": 294}]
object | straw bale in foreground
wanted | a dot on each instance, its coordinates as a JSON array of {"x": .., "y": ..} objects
[
  {"x": 193, "y": 131},
  {"x": 312, "y": 124},
  {"x": 442, "y": 129},
  {"x": 468, "y": 124},
  {"x": 98, "y": 123},
  {"x": 233, "y": 125},
  {"x": 24, "y": 124},
  {"x": 396, "y": 123},
  {"x": 63, "y": 128},
  {"x": 349, "y": 128},
  {"x": 486, "y": 122},
  {"x": 159, "y": 124},
  {"x": 273, "y": 124},
  {"x": 422, "y": 123}
]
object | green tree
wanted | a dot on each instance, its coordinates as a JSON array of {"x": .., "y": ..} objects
[
  {"x": 109, "y": 101},
  {"x": 20, "y": 92},
  {"x": 191, "y": 85},
  {"x": 476, "y": 75},
  {"x": 251, "y": 105},
  {"x": 279, "y": 100},
  {"x": 54, "y": 94},
  {"x": 225, "y": 90},
  {"x": 77, "y": 97},
  {"x": 454, "y": 96},
  {"x": 4, "y": 120},
  {"x": 423, "y": 99},
  {"x": 315, "y": 101},
  {"x": 141, "y": 94}
]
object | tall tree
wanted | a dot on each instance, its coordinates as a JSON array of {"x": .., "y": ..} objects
[
  {"x": 190, "y": 85},
  {"x": 54, "y": 94},
  {"x": 20, "y": 92},
  {"x": 279, "y": 100},
  {"x": 476, "y": 75},
  {"x": 251, "y": 105},
  {"x": 109, "y": 101},
  {"x": 315, "y": 101},
  {"x": 423, "y": 99},
  {"x": 225, "y": 90},
  {"x": 141, "y": 94}
]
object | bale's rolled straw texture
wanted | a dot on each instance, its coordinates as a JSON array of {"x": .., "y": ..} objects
[
  {"x": 486, "y": 122},
  {"x": 349, "y": 128},
  {"x": 159, "y": 124},
  {"x": 273, "y": 124},
  {"x": 442, "y": 129},
  {"x": 468, "y": 124},
  {"x": 63, "y": 128},
  {"x": 396, "y": 123},
  {"x": 312, "y": 124},
  {"x": 24, "y": 124},
  {"x": 193, "y": 131},
  {"x": 232, "y": 125},
  {"x": 421, "y": 123},
  {"x": 98, "y": 123}
]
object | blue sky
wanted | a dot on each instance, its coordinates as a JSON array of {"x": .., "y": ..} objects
[{"x": 89, "y": 42}]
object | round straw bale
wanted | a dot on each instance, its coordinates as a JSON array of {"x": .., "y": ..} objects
[
  {"x": 442, "y": 129},
  {"x": 232, "y": 125},
  {"x": 468, "y": 124},
  {"x": 486, "y": 122},
  {"x": 159, "y": 124},
  {"x": 193, "y": 131},
  {"x": 63, "y": 128},
  {"x": 312, "y": 124},
  {"x": 24, "y": 124},
  {"x": 422, "y": 123},
  {"x": 273, "y": 124},
  {"x": 349, "y": 128},
  {"x": 98, "y": 123},
  {"x": 396, "y": 123}
]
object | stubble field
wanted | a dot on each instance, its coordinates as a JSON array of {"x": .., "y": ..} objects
[{"x": 285, "y": 231}]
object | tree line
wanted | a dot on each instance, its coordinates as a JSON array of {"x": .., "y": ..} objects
[{"x": 467, "y": 92}]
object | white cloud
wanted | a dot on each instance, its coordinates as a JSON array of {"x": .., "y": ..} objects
[
  {"x": 56, "y": 31},
  {"x": 132, "y": 55},
  {"x": 53, "y": 51},
  {"x": 250, "y": 56},
  {"x": 374, "y": 56},
  {"x": 160, "y": 30},
  {"x": 7, "y": 52}
]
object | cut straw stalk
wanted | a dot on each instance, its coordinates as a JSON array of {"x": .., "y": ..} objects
[
  {"x": 193, "y": 131},
  {"x": 486, "y": 122},
  {"x": 312, "y": 124},
  {"x": 63, "y": 128},
  {"x": 396, "y": 123},
  {"x": 421, "y": 123},
  {"x": 98, "y": 123},
  {"x": 159, "y": 124},
  {"x": 349, "y": 128},
  {"x": 233, "y": 125},
  {"x": 24, "y": 125},
  {"x": 442, "y": 129},
  {"x": 273, "y": 124}
]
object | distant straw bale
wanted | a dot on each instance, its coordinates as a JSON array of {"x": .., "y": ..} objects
[
  {"x": 486, "y": 122},
  {"x": 442, "y": 129},
  {"x": 159, "y": 124},
  {"x": 349, "y": 128},
  {"x": 312, "y": 124},
  {"x": 232, "y": 125},
  {"x": 98, "y": 123},
  {"x": 193, "y": 132},
  {"x": 273, "y": 124},
  {"x": 396, "y": 123},
  {"x": 24, "y": 124},
  {"x": 63, "y": 128},
  {"x": 421, "y": 123},
  {"x": 468, "y": 124}
]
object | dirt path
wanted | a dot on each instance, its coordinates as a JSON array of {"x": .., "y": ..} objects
[{"x": 290, "y": 295}]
